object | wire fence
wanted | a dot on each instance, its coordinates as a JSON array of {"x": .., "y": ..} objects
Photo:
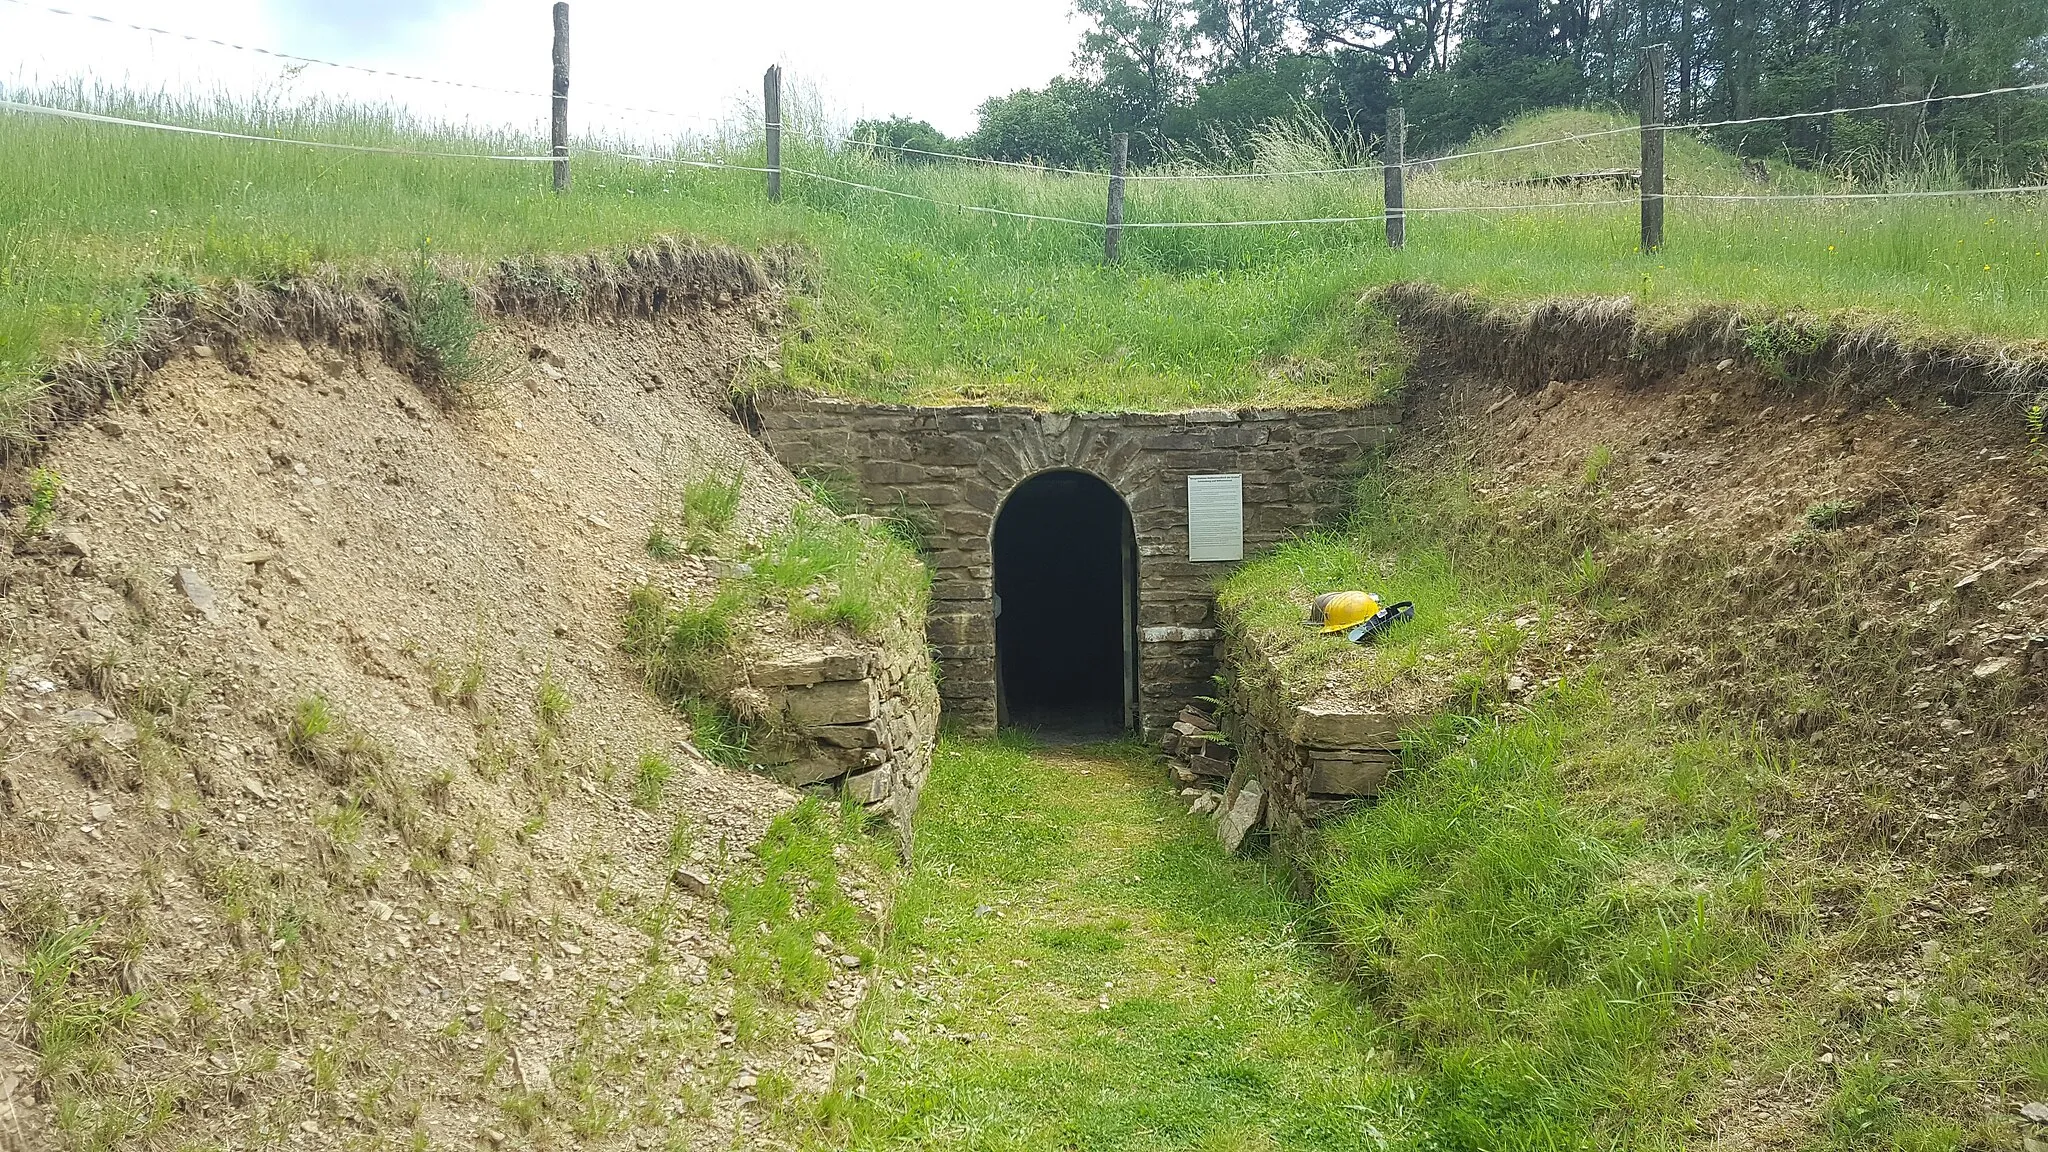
[{"x": 1391, "y": 212}]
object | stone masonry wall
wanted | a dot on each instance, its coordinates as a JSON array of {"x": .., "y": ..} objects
[
  {"x": 1308, "y": 757},
  {"x": 860, "y": 721},
  {"x": 958, "y": 465}
]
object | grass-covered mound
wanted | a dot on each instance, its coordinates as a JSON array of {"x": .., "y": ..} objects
[
  {"x": 906, "y": 300},
  {"x": 1690, "y": 848}
]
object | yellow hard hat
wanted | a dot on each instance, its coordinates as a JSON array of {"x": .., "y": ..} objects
[{"x": 1343, "y": 611}]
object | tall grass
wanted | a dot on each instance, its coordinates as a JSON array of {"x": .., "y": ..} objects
[{"x": 922, "y": 302}]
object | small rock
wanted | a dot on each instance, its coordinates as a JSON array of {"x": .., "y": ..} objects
[
  {"x": 1990, "y": 871},
  {"x": 197, "y": 590},
  {"x": 120, "y": 734},
  {"x": 382, "y": 911},
  {"x": 1241, "y": 816},
  {"x": 695, "y": 883},
  {"x": 1724, "y": 365},
  {"x": 897, "y": 1037},
  {"x": 84, "y": 718},
  {"x": 2034, "y": 1110},
  {"x": 744, "y": 1081},
  {"x": 102, "y": 811},
  {"x": 849, "y": 961},
  {"x": 71, "y": 542},
  {"x": 511, "y": 975},
  {"x": 254, "y": 787},
  {"x": 1993, "y": 668}
]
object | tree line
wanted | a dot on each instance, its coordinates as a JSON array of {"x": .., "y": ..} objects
[{"x": 1201, "y": 79}]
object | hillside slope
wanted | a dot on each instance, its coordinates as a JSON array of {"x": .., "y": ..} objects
[
  {"x": 333, "y": 814},
  {"x": 1727, "y": 829}
]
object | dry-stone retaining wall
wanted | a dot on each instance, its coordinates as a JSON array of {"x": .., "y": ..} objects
[
  {"x": 958, "y": 465},
  {"x": 1305, "y": 757},
  {"x": 860, "y": 721}
]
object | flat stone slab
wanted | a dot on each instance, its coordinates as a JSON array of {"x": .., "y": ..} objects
[
  {"x": 804, "y": 671},
  {"x": 1330, "y": 726},
  {"x": 1349, "y": 774},
  {"x": 1241, "y": 815},
  {"x": 834, "y": 702}
]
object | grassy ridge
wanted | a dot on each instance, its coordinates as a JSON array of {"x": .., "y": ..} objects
[
  {"x": 1604, "y": 919},
  {"x": 922, "y": 302}
]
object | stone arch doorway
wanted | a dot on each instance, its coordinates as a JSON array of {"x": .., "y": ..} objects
[{"x": 1066, "y": 582}]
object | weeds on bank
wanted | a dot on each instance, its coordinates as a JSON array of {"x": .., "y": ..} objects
[
  {"x": 44, "y": 486},
  {"x": 720, "y": 736},
  {"x": 439, "y": 323},
  {"x": 710, "y": 505},
  {"x": 822, "y": 571},
  {"x": 69, "y": 1021},
  {"x": 1539, "y": 917},
  {"x": 790, "y": 925},
  {"x": 650, "y": 776},
  {"x": 705, "y": 511}
]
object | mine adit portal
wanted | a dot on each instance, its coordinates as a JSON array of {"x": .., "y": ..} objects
[
  {"x": 957, "y": 471},
  {"x": 1065, "y": 604}
]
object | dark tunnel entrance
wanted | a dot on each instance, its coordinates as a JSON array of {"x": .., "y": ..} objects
[{"x": 1066, "y": 608}]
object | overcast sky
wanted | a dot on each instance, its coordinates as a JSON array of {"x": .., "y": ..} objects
[{"x": 930, "y": 59}]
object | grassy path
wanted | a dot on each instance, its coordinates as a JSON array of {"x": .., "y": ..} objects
[{"x": 1075, "y": 965}]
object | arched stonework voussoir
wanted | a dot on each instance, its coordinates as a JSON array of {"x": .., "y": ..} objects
[{"x": 958, "y": 466}]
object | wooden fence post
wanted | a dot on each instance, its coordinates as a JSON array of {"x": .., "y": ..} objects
[
  {"x": 1396, "y": 162},
  {"x": 771, "y": 92},
  {"x": 560, "y": 117},
  {"x": 1113, "y": 233},
  {"x": 1653, "y": 149}
]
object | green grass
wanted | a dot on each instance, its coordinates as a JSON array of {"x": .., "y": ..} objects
[
  {"x": 441, "y": 326},
  {"x": 1081, "y": 967},
  {"x": 819, "y": 573},
  {"x": 1543, "y": 921},
  {"x": 923, "y": 303},
  {"x": 1398, "y": 551},
  {"x": 650, "y": 776},
  {"x": 776, "y": 919},
  {"x": 1614, "y": 909},
  {"x": 44, "y": 487},
  {"x": 710, "y": 504}
]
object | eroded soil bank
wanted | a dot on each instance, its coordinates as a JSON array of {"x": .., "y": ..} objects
[{"x": 333, "y": 813}]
